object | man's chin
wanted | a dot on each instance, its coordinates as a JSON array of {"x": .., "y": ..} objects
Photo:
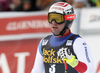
[{"x": 56, "y": 34}]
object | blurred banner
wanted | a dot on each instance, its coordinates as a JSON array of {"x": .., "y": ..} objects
[
  {"x": 15, "y": 26},
  {"x": 90, "y": 20},
  {"x": 90, "y": 31},
  {"x": 20, "y": 33},
  {"x": 26, "y": 24},
  {"x": 17, "y": 56}
]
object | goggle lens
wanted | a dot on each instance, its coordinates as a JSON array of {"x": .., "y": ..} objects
[{"x": 57, "y": 17}]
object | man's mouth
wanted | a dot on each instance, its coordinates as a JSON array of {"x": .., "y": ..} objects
[{"x": 55, "y": 27}]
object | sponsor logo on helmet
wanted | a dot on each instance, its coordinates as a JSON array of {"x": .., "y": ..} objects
[{"x": 69, "y": 11}]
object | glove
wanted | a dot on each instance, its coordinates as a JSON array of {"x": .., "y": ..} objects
[
  {"x": 72, "y": 62},
  {"x": 65, "y": 54}
]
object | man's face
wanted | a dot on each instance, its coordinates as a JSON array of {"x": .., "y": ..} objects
[{"x": 56, "y": 28}]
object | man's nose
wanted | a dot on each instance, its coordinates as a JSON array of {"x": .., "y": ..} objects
[{"x": 54, "y": 22}]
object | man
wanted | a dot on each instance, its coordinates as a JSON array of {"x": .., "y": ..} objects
[{"x": 62, "y": 52}]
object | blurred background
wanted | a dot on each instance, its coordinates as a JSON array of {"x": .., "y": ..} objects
[{"x": 23, "y": 23}]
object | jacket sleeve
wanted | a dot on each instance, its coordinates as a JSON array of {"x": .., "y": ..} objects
[
  {"x": 38, "y": 65},
  {"x": 83, "y": 53}
]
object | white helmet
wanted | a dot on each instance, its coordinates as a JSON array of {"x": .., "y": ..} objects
[{"x": 66, "y": 10}]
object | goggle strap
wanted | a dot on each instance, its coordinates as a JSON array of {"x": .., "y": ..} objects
[{"x": 70, "y": 17}]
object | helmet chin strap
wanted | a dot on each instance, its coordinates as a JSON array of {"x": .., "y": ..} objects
[{"x": 63, "y": 31}]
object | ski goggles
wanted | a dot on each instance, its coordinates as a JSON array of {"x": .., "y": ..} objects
[{"x": 60, "y": 18}]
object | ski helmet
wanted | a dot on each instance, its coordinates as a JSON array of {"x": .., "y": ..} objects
[{"x": 64, "y": 9}]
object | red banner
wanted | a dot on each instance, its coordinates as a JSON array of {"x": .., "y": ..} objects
[
  {"x": 18, "y": 56},
  {"x": 25, "y": 24}
]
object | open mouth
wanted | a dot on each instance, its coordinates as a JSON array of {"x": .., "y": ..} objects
[{"x": 55, "y": 27}]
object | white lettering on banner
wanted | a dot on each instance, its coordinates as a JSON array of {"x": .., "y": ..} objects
[
  {"x": 34, "y": 24},
  {"x": 4, "y": 64},
  {"x": 21, "y": 61}
]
